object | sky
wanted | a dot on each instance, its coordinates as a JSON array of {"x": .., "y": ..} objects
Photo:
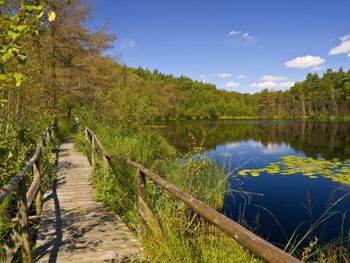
[{"x": 238, "y": 45}]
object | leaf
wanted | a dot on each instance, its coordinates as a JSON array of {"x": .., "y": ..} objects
[
  {"x": 7, "y": 56},
  {"x": 19, "y": 78},
  {"x": 31, "y": 8},
  {"x": 40, "y": 15},
  {"x": 21, "y": 28},
  {"x": 255, "y": 173},
  {"x": 3, "y": 76},
  {"x": 22, "y": 58},
  {"x": 243, "y": 172},
  {"x": 12, "y": 34},
  {"x": 2, "y": 102},
  {"x": 51, "y": 16}
]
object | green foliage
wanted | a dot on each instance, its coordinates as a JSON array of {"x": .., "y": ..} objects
[
  {"x": 334, "y": 169},
  {"x": 15, "y": 145},
  {"x": 18, "y": 22}
]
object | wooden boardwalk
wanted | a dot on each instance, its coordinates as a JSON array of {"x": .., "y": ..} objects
[{"x": 76, "y": 228}]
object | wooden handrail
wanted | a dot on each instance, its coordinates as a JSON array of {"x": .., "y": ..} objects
[
  {"x": 248, "y": 239},
  {"x": 20, "y": 234}
]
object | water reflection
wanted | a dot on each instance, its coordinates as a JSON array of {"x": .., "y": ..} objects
[
  {"x": 328, "y": 139},
  {"x": 274, "y": 205}
]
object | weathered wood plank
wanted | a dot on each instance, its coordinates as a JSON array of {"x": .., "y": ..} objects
[
  {"x": 76, "y": 228},
  {"x": 148, "y": 216},
  {"x": 23, "y": 223}
]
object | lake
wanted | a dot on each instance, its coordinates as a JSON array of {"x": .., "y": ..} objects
[{"x": 290, "y": 194}]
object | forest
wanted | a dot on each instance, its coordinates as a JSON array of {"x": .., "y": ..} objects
[{"x": 53, "y": 66}]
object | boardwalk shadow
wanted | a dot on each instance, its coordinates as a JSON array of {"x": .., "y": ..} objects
[
  {"x": 81, "y": 230},
  {"x": 74, "y": 228}
]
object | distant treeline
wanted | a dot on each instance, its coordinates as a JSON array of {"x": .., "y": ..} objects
[
  {"x": 136, "y": 95},
  {"x": 324, "y": 96}
]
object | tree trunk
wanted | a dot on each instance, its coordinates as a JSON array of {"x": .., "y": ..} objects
[
  {"x": 69, "y": 112},
  {"x": 303, "y": 112},
  {"x": 335, "y": 106},
  {"x": 53, "y": 77}
]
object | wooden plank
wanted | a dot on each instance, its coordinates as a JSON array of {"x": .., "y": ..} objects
[
  {"x": 35, "y": 185},
  {"x": 141, "y": 194},
  {"x": 148, "y": 216},
  {"x": 24, "y": 223},
  {"x": 76, "y": 228}
]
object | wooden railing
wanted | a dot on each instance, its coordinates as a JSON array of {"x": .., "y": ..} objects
[
  {"x": 248, "y": 239},
  {"x": 20, "y": 233}
]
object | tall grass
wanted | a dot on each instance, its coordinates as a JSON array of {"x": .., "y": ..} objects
[{"x": 185, "y": 236}]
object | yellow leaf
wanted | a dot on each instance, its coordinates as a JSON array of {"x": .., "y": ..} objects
[
  {"x": 51, "y": 16},
  {"x": 255, "y": 173},
  {"x": 243, "y": 172}
]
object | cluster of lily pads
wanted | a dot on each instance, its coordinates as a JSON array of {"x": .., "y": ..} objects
[{"x": 336, "y": 170}]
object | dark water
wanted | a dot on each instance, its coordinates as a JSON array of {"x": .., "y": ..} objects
[{"x": 266, "y": 199}]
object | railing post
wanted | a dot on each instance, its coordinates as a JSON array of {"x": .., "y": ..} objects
[
  {"x": 36, "y": 172},
  {"x": 51, "y": 134},
  {"x": 141, "y": 195},
  {"x": 87, "y": 135},
  {"x": 23, "y": 222},
  {"x": 48, "y": 137},
  {"x": 105, "y": 161},
  {"x": 93, "y": 152}
]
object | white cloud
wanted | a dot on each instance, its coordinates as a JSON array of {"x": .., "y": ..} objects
[
  {"x": 231, "y": 84},
  {"x": 286, "y": 84},
  {"x": 305, "y": 62},
  {"x": 219, "y": 75},
  {"x": 233, "y": 33},
  {"x": 247, "y": 36},
  {"x": 242, "y": 76},
  {"x": 223, "y": 75},
  {"x": 128, "y": 44},
  {"x": 273, "y": 148},
  {"x": 255, "y": 144},
  {"x": 349, "y": 55},
  {"x": 272, "y": 84},
  {"x": 343, "y": 47},
  {"x": 232, "y": 145},
  {"x": 267, "y": 85},
  {"x": 345, "y": 38},
  {"x": 273, "y": 78},
  {"x": 225, "y": 154}
]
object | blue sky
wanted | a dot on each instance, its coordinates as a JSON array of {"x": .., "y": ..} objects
[{"x": 238, "y": 45}]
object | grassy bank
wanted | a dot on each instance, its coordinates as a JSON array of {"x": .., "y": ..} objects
[
  {"x": 272, "y": 117},
  {"x": 185, "y": 236}
]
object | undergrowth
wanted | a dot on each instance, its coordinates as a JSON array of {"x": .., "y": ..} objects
[{"x": 12, "y": 161}]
